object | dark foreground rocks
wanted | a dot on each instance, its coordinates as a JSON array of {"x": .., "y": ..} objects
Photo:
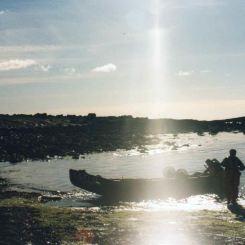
[
  {"x": 20, "y": 226},
  {"x": 26, "y": 222}
]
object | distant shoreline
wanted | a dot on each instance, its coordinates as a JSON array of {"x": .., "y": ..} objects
[
  {"x": 42, "y": 136},
  {"x": 43, "y": 114}
]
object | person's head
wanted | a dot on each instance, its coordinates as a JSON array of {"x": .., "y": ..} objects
[
  {"x": 208, "y": 162},
  {"x": 232, "y": 152}
]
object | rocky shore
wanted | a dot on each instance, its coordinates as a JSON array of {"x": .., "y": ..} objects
[
  {"x": 42, "y": 136},
  {"x": 24, "y": 220},
  {"x": 27, "y": 219}
]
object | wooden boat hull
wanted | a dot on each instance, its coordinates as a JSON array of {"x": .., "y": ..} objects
[{"x": 143, "y": 189}]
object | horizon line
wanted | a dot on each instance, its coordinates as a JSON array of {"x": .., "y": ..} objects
[{"x": 122, "y": 115}]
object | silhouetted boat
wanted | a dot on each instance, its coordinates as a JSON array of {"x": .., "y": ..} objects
[{"x": 143, "y": 189}]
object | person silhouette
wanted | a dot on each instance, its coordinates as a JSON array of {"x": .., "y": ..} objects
[{"x": 233, "y": 165}]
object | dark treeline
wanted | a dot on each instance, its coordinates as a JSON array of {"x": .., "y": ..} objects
[{"x": 41, "y": 136}]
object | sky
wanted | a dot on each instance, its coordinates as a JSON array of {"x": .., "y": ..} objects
[{"x": 146, "y": 58}]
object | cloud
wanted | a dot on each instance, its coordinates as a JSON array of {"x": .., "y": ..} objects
[
  {"x": 2, "y": 12},
  {"x": 185, "y": 73},
  {"x": 44, "y": 68},
  {"x": 205, "y": 71},
  {"x": 70, "y": 71},
  {"x": 16, "y": 64},
  {"x": 105, "y": 68}
]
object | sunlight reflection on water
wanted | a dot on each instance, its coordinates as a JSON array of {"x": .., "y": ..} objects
[
  {"x": 193, "y": 203},
  {"x": 161, "y": 222}
]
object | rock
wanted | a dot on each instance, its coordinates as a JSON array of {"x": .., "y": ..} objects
[{"x": 46, "y": 198}]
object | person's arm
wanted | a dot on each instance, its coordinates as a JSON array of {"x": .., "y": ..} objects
[
  {"x": 240, "y": 165},
  {"x": 224, "y": 163}
]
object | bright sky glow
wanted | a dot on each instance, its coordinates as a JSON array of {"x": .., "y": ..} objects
[{"x": 179, "y": 59}]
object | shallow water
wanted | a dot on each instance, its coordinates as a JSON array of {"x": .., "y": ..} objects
[{"x": 188, "y": 151}]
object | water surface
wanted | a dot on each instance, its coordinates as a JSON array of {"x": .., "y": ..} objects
[{"x": 188, "y": 151}]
